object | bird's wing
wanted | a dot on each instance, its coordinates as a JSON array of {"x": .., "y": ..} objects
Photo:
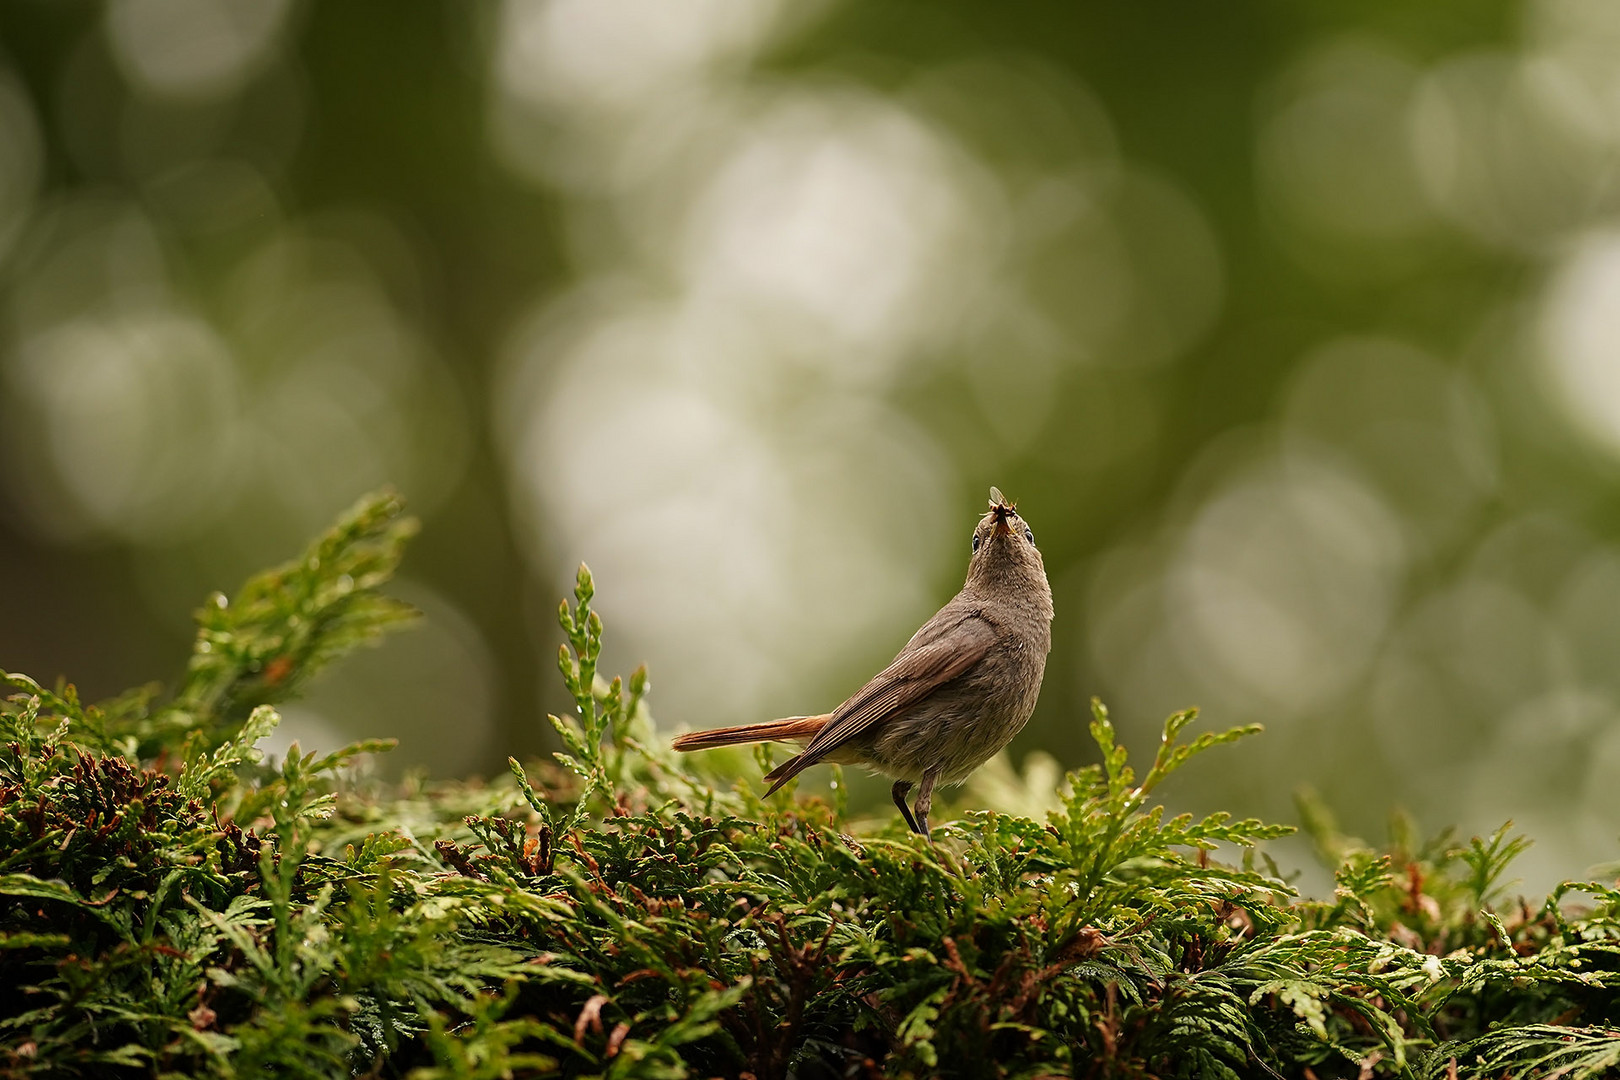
[{"x": 928, "y": 662}]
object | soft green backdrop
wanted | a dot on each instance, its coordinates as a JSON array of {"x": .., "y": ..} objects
[{"x": 1294, "y": 327}]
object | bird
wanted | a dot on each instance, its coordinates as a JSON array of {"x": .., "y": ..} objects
[{"x": 962, "y": 687}]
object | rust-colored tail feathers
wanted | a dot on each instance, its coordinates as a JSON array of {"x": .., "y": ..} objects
[{"x": 792, "y": 729}]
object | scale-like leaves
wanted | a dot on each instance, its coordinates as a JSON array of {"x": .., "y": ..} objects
[{"x": 170, "y": 904}]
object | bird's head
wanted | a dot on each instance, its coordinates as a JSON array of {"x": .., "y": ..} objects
[{"x": 1003, "y": 543}]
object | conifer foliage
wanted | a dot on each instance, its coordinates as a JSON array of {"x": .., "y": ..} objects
[{"x": 172, "y": 903}]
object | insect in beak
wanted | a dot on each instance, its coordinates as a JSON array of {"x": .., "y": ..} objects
[{"x": 1003, "y": 510}]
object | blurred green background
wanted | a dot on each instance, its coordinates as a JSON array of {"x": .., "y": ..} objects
[{"x": 1294, "y": 327}]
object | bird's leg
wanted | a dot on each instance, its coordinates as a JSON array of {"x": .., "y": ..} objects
[
  {"x": 925, "y": 801},
  {"x": 901, "y": 789}
]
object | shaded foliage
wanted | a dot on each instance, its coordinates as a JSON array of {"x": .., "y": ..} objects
[{"x": 173, "y": 904}]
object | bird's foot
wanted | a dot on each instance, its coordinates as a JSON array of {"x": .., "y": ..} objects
[{"x": 901, "y": 789}]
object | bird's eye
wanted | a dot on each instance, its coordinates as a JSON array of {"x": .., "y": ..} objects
[
  {"x": 1029, "y": 534},
  {"x": 977, "y": 540}
]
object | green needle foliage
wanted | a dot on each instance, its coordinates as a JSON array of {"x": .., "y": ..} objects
[{"x": 172, "y": 904}]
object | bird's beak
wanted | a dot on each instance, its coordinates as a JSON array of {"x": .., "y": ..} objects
[{"x": 1002, "y": 528}]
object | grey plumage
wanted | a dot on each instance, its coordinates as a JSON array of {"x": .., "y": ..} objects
[{"x": 962, "y": 687}]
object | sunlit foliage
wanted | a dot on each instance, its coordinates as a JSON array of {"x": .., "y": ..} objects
[{"x": 173, "y": 904}]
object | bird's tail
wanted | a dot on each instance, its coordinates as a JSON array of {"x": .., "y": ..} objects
[{"x": 791, "y": 729}]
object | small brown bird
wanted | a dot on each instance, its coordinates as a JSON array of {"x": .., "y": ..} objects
[{"x": 963, "y": 686}]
